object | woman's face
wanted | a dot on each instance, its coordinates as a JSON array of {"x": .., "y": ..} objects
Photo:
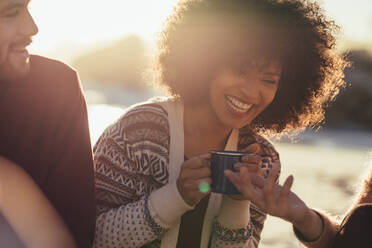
[{"x": 238, "y": 97}]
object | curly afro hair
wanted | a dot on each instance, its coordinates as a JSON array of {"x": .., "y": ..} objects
[{"x": 203, "y": 36}]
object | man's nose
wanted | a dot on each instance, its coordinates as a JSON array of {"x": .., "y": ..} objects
[{"x": 28, "y": 26}]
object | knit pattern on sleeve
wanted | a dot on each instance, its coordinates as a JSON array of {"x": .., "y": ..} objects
[
  {"x": 225, "y": 237},
  {"x": 131, "y": 160}
]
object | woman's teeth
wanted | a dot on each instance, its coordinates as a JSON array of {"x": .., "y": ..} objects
[{"x": 237, "y": 105}]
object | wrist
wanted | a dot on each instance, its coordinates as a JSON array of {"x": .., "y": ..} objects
[
  {"x": 234, "y": 213},
  {"x": 311, "y": 226},
  {"x": 166, "y": 205}
]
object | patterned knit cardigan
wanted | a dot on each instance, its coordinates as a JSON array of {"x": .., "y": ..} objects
[{"x": 138, "y": 204}]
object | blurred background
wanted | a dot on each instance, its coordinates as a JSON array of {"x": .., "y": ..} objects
[{"x": 111, "y": 44}]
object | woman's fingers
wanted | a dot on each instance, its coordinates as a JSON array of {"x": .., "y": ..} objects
[
  {"x": 234, "y": 178},
  {"x": 252, "y": 158},
  {"x": 205, "y": 156},
  {"x": 253, "y": 148},
  {"x": 253, "y": 187},
  {"x": 250, "y": 167},
  {"x": 200, "y": 173},
  {"x": 239, "y": 181},
  {"x": 194, "y": 180},
  {"x": 195, "y": 184},
  {"x": 198, "y": 161},
  {"x": 257, "y": 180},
  {"x": 264, "y": 193},
  {"x": 251, "y": 192},
  {"x": 273, "y": 175},
  {"x": 278, "y": 166},
  {"x": 286, "y": 189},
  {"x": 268, "y": 189}
]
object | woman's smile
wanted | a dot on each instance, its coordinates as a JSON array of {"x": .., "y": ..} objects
[
  {"x": 236, "y": 99},
  {"x": 236, "y": 105}
]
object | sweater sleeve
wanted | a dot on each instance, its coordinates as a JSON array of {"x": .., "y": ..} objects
[
  {"x": 330, "y": 228},
  {"x": 132, "y": 189},
  {"x": 237, "y": 225}
]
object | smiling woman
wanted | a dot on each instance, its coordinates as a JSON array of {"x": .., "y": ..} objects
[{"x": 233, "y": 70}]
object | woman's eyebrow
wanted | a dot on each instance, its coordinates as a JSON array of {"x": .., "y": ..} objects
[{"x": 272, "y": 74}]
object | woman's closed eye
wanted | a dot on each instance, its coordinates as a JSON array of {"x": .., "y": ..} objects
[{"x": 269, "y": 81}]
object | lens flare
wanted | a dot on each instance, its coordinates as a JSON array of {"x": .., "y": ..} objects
[{"x": 204, "y": 186}]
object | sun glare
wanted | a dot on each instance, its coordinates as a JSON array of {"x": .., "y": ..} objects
[
  {"x": 100, "y": 117},
  {"x": 85, "y": 22},
  {"x": 68, "y": 26}
]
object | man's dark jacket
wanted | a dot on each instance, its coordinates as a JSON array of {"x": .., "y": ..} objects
[{"x": 44, "y": 129}]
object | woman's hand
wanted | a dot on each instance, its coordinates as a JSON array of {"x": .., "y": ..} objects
[
  {"x": 252, "y": 162},
  {"x": 194, "y": 173},
  {"x": 277, "y": 200}
]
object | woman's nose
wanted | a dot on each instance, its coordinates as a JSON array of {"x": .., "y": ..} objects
[{"x": 251, "y": 91}]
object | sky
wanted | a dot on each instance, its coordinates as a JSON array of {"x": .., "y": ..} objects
[{"x": 71, "y": 27}]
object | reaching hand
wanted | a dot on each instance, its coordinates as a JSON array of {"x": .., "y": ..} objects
[
  {"x": 277, "y": 200},
  {"x": 270, "y": 197},
  {"x": 194, "y": 172}
]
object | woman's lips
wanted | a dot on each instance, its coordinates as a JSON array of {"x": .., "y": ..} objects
[{"x": 237, "y": 105}]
